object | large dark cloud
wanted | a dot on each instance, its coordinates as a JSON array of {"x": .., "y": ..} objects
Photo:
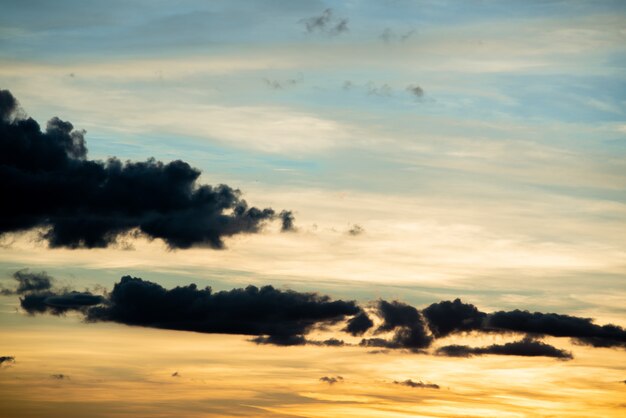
[
  {"x": 526, "y": 347},
  {"x": 583, "y": 330},
  {"x": 46, "y": 180},
  {"x": 280, "y": 317}
]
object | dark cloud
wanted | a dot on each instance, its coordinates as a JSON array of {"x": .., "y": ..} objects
[
  {"x": 279, "y": 317},
  {"x": 415, "y": 90},
  {"x": 284, "y": 340},
  {"x": 526, "y": 347},
  {"x": 326, "y": 23},
  {"x": 407, "y": 323},
  {"x": 419, "y": 384},
  {"x": 389, "y": 35},
  {"x": 175, "y": 374},
  {"x": 59, "y": 303},
  {"x": 28, "y": 281},
  {"x": 282, "y": 84},
  {"x": 59, "y": 376},
  {"x": 384, "y": 90},
  {"x": 287, "y": 221},
  {"x": 583, "y": 330},
  {"x": 286, "y": 317},
  {"x": 331, "y": 380},
  {"x": 47, "y": 181},
  {"x": 331, "y": 342},
  {"x": 358, "y": 324},
  {"x": 7, "y": 360},
  {"x": 356, "y": 230},
  {"x": 447, "y": 317}
]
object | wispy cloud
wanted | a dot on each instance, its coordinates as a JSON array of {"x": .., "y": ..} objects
[{"x": 326, "y": 22}]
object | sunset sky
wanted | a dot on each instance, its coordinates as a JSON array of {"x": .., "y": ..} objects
[{"x": 390, "y": 156}]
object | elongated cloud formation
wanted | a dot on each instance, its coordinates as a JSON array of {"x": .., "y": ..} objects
[
  {"x": 526, "y": 347},
  {"x": 286, "y": 317},
  {"x": 410, "y": 383},
  {"x": 47, "y": 181}
]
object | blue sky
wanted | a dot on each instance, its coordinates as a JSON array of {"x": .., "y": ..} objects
[
  {"x": 516, "y": 144},
  {"x": 428, "y": 150}
]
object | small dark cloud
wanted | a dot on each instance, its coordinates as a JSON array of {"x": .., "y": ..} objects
[
  {"x": 409, "y": 328},
  {"x": 47, "y": 181},
  {"x": 60, "y": 376},
  {"x": 381, "y": 351},
  {"x": 287, "y": 221},
  {"x": 331, "y": 380},
  {"x": 28, "y": 281},
  {"x": 59, "y": 304},
  {"x": 332, "y": 342},
  {"x": 358, "y": 324},
  {"x": 175, "y": 374},
  {"x": 356, "y": 230},
  {"x": 4, "y": 360},
  {"x": 275, "y": 84},
  {"x": 373, "y": 89},
  {"x": 284, "y": 340},
  {"x": 419, "y": 384},
  {"x": 326, "y": 23},
  {"x": 415, "y": 90},
  {"x": 370, "y": 88},
  {"x": 447, "y": 317},
  {"x": 526, "y": 347},
  {"x": 389, "y": 35}
]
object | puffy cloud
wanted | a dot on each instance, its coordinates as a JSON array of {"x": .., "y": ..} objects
[
  {"x": 331, "y": 380},
  {"x": 46, "y": 180}
]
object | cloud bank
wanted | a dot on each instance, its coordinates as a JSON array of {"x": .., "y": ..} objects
[
  {"x": 287, "y": 317},
  {"x": 47, "y": 181}
]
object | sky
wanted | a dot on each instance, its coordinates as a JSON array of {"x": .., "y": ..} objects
[{"x": 367, "y": 159}]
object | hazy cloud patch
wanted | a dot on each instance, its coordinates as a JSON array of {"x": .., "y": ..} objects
[{"x": 326, "y": 23}]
